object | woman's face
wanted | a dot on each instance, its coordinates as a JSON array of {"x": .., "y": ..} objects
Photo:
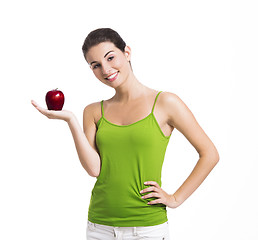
[{"x": 109, "y": 64}]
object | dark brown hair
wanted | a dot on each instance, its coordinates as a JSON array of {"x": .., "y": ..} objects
[{"x": 103, "y": 35}]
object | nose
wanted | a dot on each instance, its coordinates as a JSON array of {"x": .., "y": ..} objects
[{"x": 106, "y": 69}]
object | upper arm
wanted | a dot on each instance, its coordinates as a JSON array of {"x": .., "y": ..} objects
[
  {"x": 89, "y": 126},
  {"x": 180, "y": 117}
]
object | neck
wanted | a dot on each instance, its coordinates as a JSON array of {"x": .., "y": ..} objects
[{"x": 130, "y": 90}]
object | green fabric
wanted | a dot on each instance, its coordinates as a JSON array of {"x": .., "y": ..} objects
[{"x": 130, "y": 155}]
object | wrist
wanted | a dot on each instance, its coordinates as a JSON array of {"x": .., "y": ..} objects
[
  {"x": 175, "y": 202},
  {"x": 70, "y": 119}
]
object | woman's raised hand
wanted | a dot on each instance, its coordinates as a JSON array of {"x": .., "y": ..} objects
[{"x": 52, "y": 114}]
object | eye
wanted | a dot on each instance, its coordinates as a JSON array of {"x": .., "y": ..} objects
[
  {"x": 110, "y": 58},
  {"x": 96, "y": 66}
]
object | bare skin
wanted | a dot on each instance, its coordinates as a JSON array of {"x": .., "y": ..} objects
[{"x": 133, "y": 97}]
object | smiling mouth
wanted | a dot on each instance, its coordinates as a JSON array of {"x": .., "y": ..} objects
[{"x": 112, "y": 77}]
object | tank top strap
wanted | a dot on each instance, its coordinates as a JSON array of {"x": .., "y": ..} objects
[
  {"x": 155, "y": 101},
  {"x": 102, "y": 109}
]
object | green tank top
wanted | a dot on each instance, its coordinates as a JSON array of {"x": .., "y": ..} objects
[{"x": 130, "y": 155}]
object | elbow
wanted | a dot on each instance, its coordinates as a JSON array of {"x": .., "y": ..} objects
[
  {"x": 211, "y": 157},
  {"x": 94, "y": 173},
  {"x": 214, "y": 158},
  {"x": 210, "y": 153},
  {"x": 92, "y": 168},
  {"x": 217, "y": 157}
]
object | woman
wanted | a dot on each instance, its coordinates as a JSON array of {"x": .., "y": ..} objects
[{"x": 123, "y": 145}]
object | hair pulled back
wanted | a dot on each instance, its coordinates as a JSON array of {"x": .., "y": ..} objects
[{"x": 103, "y": 35}]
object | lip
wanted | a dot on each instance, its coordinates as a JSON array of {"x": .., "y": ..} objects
[{"x": 112, "y": 79}]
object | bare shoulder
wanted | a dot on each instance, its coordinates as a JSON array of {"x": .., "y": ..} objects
[
  {"x": 92, "y": 111},
  {"x": 170, "y": 100},
  {"x": 174, "y": 108},
  {"x": 169, "y": 97}
]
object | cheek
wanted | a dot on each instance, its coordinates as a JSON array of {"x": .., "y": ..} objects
[
  {"x": 119, "y": 63},
  {"x": 97, "y": 74}
]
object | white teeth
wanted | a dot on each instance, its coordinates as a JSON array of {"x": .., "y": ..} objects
[{"x": 112, "y": 76}]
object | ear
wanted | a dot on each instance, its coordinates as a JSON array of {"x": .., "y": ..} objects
[{"x": 128, "y": 53}]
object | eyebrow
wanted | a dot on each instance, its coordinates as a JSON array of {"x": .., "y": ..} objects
[{"x": 104, "y": 56}]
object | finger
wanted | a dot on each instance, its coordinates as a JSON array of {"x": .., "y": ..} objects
[
  {"x": 155, "y": 201},
  {"x": 43, "y": 111},
  {"x": 152, "y": 183},
  {"x": 149, "y": 189},
  {"x": 150, "y": 195},
  {"x": 34, "y": 103},
  {"x": 40, "y": 109}
]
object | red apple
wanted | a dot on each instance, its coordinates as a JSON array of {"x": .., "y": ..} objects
[{"x": 55, "y": 100}]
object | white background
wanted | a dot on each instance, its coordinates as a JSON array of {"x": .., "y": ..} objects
[{"x": 203, "y": 51}]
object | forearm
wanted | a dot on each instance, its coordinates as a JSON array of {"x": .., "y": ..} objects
[
  {"x": 201, "y": 170},
  {"x": 88, "y": 156}
]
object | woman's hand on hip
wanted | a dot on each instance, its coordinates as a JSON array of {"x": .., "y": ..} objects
[
  {"x": 52, "y": 114},
  {"x": 157, "y": 192}
]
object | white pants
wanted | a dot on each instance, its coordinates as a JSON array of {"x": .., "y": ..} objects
[{"x": 102, "y": 232}]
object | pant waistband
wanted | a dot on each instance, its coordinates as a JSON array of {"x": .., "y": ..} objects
[{"x": 125, "y": 228}]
